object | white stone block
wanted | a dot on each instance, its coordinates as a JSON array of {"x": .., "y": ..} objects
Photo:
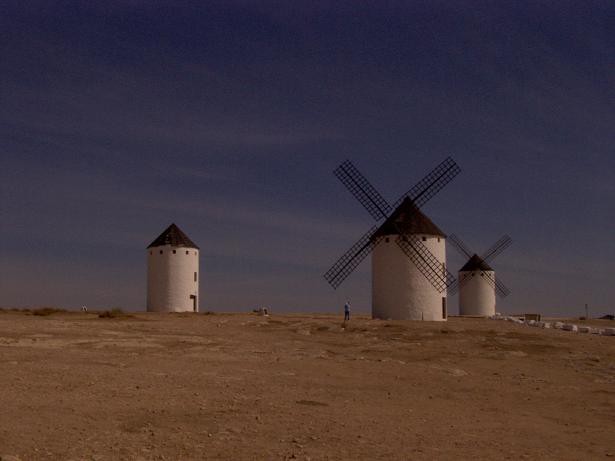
[
  {"x": 584, "y": 329},
  {"x": 608, "y": 332},
  {"x": 558, "y": 325},
  {"x": 570, "y": 327}
]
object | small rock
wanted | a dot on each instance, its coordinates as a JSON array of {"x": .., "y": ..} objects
[
  {"x": 458, "y": 372},
  {"x": 518, "y": 354}
]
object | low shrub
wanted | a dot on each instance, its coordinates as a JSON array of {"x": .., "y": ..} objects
[
  {"x": 44, "y": 311},
  {"x": 113, "y": 314}
]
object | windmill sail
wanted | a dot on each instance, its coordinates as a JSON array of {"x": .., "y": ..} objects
[
  {"x": 460, "y": 246},
  {"x": 352, "y": 258},
  {"x": 497, "y": 248},
  {"x": 362, "y": 190},
  {"x": 431, "y": 184},
  {"x": 433, "y": 270},
  {"x": 501, "y": 289}
]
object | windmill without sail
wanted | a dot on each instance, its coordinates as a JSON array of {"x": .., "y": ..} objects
[
  {"x": 477, "y": 284},
  {"x": 172, "y": 272},
  {"x": 409, "y": 276}
]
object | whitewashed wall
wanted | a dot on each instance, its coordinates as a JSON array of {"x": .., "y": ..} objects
[
  {"x": 476, "y": 295},
  {"x": 399, "y": 290},
  {"x": 171, "y": 280}
]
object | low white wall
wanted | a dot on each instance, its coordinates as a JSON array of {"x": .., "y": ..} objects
[{"x": 558, "y": 325}]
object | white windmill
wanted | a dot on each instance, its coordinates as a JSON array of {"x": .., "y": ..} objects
[
  {"x": 477, "y": 284},
  {"x": 172, "y": 273},
  {"x": 409, "y": 276}
]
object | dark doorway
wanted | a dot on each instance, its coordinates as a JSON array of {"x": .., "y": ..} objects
[
  {"x": 194, "y": 304},
  {"x": 444, "y": 308}
]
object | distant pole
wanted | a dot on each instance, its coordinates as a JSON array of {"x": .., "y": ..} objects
[{"x": 586, "y": 312}]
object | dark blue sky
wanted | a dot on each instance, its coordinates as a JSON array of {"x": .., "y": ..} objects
[{"x": 120, "y": 117}]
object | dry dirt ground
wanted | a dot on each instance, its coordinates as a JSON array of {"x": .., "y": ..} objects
[{"x": 75, "y": 386}]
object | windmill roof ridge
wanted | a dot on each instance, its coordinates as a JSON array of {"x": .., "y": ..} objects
[
  {"x": 173, "y": 236},
  {"x": 476, "y": 263},
  {"x": 410, "y": 219}
]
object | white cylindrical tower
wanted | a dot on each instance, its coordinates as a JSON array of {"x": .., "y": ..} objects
[
  {"x": 172, "y": 273},
  {"x": 476, "y": 288},
  {"x": 400, "y": 291}
]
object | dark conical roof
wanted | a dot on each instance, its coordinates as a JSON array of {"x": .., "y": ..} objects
[
  {"x": 408, "y": 218},
  {"x": 173, "y": 236},
  {"x": 475, "y": 263}
]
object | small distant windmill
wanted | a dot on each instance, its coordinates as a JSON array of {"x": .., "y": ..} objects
[
  {"x": 477, "y": 284},
  {"x": 409, "y": 276}
]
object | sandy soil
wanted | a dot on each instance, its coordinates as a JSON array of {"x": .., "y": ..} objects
[{"x": 75, "y": 386}]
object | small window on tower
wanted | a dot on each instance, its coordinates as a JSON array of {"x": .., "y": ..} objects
[
  {"x": 160, "y": 251},
  {"x": 386, "y": 240},
  {"x": 150, "y": 252},
  {"x": 438, "y": 239},
  {"x": 424, "y": 239},
  {"x": 174, "y": 251},
  {"x": 195, "y": 276},
  {"x": 187, "y": 252}
]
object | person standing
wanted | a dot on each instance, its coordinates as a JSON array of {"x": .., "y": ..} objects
[{"x": 347, "y": 311}]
